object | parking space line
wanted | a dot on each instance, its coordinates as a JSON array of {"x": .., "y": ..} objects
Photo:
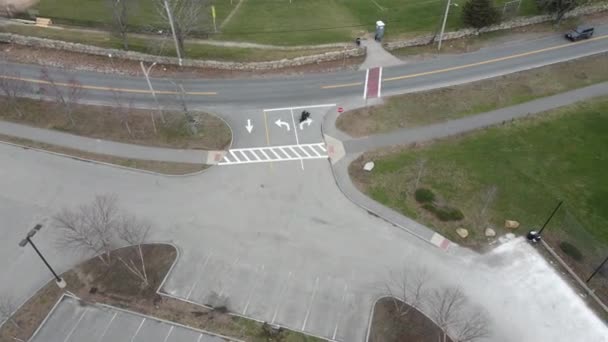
[
  {"x": 339, "y": 320},
  {"x": 380, "y": 83},
  {"x": 169, "y": 333},
  {"x": 107, "y": 327},
  {"x": 281, "y": 294},
  {"x": 312, "y": 299},
  {"x": 223, "y": 286},
  {"x": 138, "y": 329},
  {"x": 255, "y": 286},
  {"x": 199, "y": 277},
  {"x": 200, "y": 337},
  {"x": 75, "y": 325}
]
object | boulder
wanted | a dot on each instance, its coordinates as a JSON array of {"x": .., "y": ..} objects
[
  {"x": 369, "y": 166},
  {"x": 463, "y": 233},
  {"x": 510, "y": 224},
  {"x": 490, "y": 232}
]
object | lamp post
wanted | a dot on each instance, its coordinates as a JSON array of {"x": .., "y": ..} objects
[
  {"x": 534, "y": 236},
  {"x": 445, "y": 20},
  {"x": 597, "y": 270},
  {"x": 28, "y": 239}
]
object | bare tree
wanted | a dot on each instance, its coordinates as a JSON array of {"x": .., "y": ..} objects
[
  {"x": 557, "y": 7},
  {"x": 90, "y": 228},
  {"x": 180, "y": 95},
  {"x": 456, "y": 319},
  {"x": 134, "y": 232},
  {"x": 421, "y": 163},
  {"x": 186, "y": 15},
  {"x": 408, "y": 291},
  {"x": 487, "y": 198},
  {"x": 124, "y": 111},
  {"x": 66, "y": 94},
  {"x": 13, "y": 88},
  {"x": 7, "y": 309},
  {"x": 121, "y": 10}
]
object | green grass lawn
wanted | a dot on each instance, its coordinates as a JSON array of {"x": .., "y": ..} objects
[
  {"x": 283, "y": 23},
  {"x": 532, "y": 163},
  {"x": 423, "y": 108},
  {"x": 98, "y": 12},
  {"x": 159, "y": 47}
]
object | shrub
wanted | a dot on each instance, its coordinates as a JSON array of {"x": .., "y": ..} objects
[
  {"x": 444, "y": 213},
  {"x": 571, "y": 250},
  {"x": 480, "y": 13},
  {"x": 424, "y": 195}
]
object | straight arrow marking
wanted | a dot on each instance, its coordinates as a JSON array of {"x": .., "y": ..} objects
[{"x": 249, "y": 126}]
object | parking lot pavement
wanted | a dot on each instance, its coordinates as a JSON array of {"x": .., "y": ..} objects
[
  {"x": 71, "y": 320},
  {"x": 330, "y": 306}
]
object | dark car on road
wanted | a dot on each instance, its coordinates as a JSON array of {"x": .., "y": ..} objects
[{"x": 581, "y": 32}]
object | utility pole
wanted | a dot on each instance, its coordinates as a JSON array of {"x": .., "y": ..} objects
[
  {"x": 535, "y": 236},
  {"x": 177, "y": 49},
  {"x": 147, "y": 76},
  {"x": 445, "y": 19}
]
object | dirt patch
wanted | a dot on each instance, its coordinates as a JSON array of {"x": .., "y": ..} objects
[
  {"x": 392, "y": 325},
  {"x": 78, "y": 61},
  {"x": 95, "y": 282},
  {"x": 147, "y": 165},
  {"x": 438, "y": 105}
]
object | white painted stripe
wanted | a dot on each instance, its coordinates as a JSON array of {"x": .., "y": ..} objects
[
  {"x": 303, "y": 149},
  {"x": 265, "y": 155},
  {"x": 227, "y": 159},
  {"x": 300, "y": 107},
  {"x": 199, "y": 277},
  {"x": 275, "y": 154},
  {"x": 380, "y": 83},
  {"x": 234, "y": 155},
  {"x": 365, "y": 86},
  {"x": 295, "y": 152},
  {"x": 75, "y": 326},
  {"x": 282, "y": 149},
  {"x": 138, "y": 329},
  {"x": 339, "y": 320},
  {"x": 200, "y": 337},
  {"x": 314, "y": 150},
  {"x": 252, "y": 152},
  {"x": 169, "y": 333},
  {"x": 312, "y": 299},
  {"x": 322, "y": 147},
  {"x": 283, "y": 290},
  {"x": 107, "y": 327},
  {"x": 244, "y": 155}
]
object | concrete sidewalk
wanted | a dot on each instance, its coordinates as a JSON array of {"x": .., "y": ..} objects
[
  {"x": 473, "y": 122},
  {"x": 106, "y": 147}
]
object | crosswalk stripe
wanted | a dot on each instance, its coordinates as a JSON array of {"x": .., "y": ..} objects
[{"x": 274, "y": 153}]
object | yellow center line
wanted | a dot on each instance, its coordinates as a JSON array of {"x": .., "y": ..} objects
[
  {"x": 90, "y": 87},
  {"x": 495, "y": 60},
  {"x": 489, "y": 61},
  {"x": 354, "y": 84}
]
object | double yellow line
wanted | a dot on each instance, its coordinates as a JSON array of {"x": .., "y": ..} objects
[
  {"x": 465, "y": 66},
  {"x": 90, "y": 87}
]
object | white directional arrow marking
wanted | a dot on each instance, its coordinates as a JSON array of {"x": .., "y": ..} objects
[
  {"x": 249, "y": 126},
  {"x": 281, "y": 123},
  {"x": 307, "y": 122}
]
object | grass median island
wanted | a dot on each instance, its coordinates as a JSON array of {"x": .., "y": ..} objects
[
  {"x": 95, "y": 282},
  {"x": 516, "y": 171},
  {"x": 127, "y": 125},
  {"x": 423, "y": 108}
]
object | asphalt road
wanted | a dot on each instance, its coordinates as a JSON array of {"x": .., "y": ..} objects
[
  {"x": 321, "y": 88},
  {"x": 278, "y": 241}
]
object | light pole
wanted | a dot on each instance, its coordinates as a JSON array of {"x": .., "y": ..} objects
[
  {"x": 177, "y": 49},
  {"x": 147, "y": 76},
  {"x": 597, "y": 270},
  {"x": 28, "y": 239},
  {"x": 535, "y": 235},
  {"x": 445, "y": 19}
]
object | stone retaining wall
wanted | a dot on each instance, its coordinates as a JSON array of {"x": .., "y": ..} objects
[
  {"x": 517, "y": 22},
  {"x": 137, "y": 56}
]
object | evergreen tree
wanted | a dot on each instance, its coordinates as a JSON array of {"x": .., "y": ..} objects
[{"x": 480, "y": 13}]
